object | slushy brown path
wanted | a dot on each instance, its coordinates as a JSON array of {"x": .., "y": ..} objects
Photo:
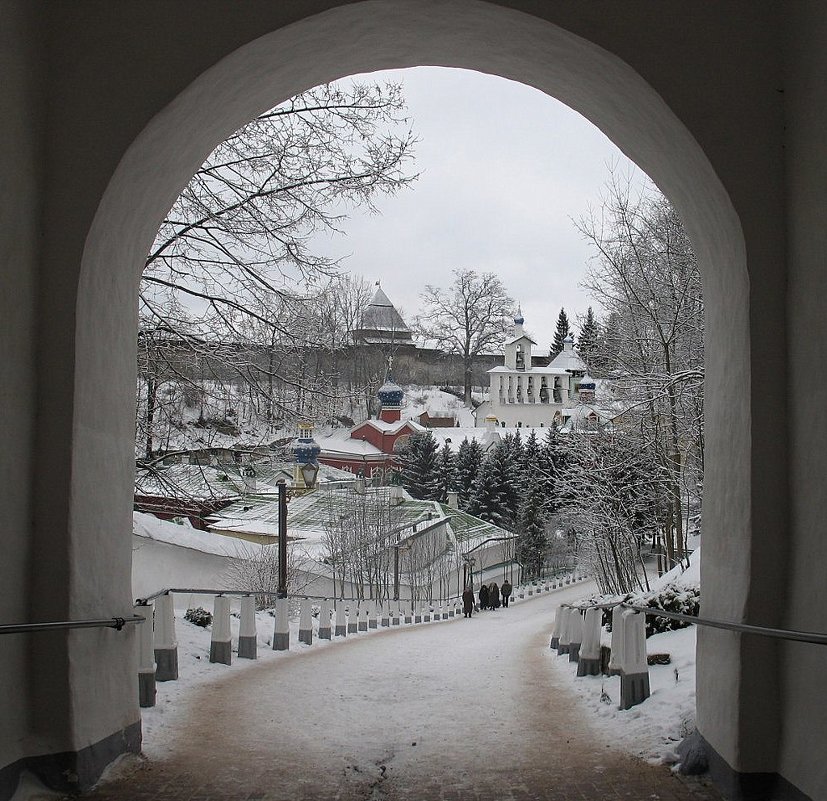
[{"x": 464, "y": 709}]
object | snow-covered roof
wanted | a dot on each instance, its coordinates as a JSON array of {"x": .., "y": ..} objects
[
  {"x": 568, "y": 359},
  {"x": 194, "y": 482},
  {"x": 346, "y": 446},
  {"x": 518, "y": 338}
]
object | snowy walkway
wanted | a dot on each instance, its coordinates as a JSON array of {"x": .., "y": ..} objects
[{"x": 465, "y": 709}]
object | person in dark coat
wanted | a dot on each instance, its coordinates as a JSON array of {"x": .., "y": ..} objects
[
  {"x": 468, "y": 601},
  {"x": 505, "y": 592},
  {"x": 484, "y": 596},
  {"x": 494, "y": 595}
]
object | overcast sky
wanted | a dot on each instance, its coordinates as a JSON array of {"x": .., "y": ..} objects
[{"x": 504, "y": 169}]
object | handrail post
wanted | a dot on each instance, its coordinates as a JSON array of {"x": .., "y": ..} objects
[
  {"x": 575, "y": 634},
  {"x": 166, "y": 646},
  {"x": 558, "y": 627},
  {"x": 341, "y": 620},
  {"x": 616, "y": 658},
  {"x": 634, "y": 680},
  {"x": 352, "y": 617},
  {"x": 221, "y": 643},
  {"x": 324, "y": 620},
  {"x": 146, "y": 658},
  {"x": 588, "y": 663},
  {"x": 306, "y": 622},
  {"x": 247, "y": 634},
  {"x": 281, "y": 629}
]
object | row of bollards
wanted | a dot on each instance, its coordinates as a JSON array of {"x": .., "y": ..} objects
[
  {"x": 158, "y": 647},
  {"x": 577, "y": 633}
]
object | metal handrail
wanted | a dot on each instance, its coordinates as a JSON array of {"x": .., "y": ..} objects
[
  {"x": 116, "y": 623},
  {"x": 813, "y": 637}
]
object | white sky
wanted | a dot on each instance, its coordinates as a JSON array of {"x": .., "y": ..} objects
[{"x": 504, "y": 171}]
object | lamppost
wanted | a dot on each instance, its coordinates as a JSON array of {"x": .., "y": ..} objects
[{"x": 468, "y": 571}]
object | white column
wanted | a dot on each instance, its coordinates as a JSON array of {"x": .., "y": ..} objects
[
  {"x": 324, "y": 620},
  {"x": 146, "y": 658},
  {"x": 221, "y": 645},
  {"x": 166, "y": 646},
  {"x": 616, "y": 659},
  {"x": 247, "y": 634},
  {"x": 306, "y": 622},
  {"x": 588, "y": 663},
  {"x": 634, "y": 680},
  {"x": 281, "y": 633},
  {"x": 341, "y": 620}
]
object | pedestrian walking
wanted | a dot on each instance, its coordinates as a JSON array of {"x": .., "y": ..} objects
[
  {"x": 494, "y": 595},
  {"x": 468, "y": 601},
  {"x": 484, "y": 596},
  {"x": 505, "y": 592}
]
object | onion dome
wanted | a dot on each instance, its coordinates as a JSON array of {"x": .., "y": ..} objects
[
  {"x": 305, "y": 448},
  {"x": 390, "y": 394},
  {"x": 519, "y": 319},
  {"x": 569, "y": 340}
]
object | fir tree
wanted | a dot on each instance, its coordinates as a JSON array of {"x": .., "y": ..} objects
[
  {"x": 467, "y": 467},
  {"x": 532, "y": 540},
  {"x": 418, "y": 460},
  {"x": 495, "y": 496},
  {"x": 587, "y": 342},
  {"x": 445, "y": 476},
  {"x": 560, "y": 334}
]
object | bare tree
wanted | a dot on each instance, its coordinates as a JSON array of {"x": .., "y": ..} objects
[
  {"x": 468, "y": 318},
  {"x": 232, "y": 277},
  {"x": 646, "y": 278}
]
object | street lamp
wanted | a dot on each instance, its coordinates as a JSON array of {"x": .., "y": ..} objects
[{"x": 468, "y": 571}]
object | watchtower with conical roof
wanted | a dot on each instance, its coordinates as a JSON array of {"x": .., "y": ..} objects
[{"x": 382, "y": 324}]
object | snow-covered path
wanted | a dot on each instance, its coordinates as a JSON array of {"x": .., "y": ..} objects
[{"x": 465, "y": 709}]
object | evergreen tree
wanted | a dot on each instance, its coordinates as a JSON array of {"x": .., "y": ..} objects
[
  {"x": 467, "y": 467},
  {"x": 495, "y": 496},
  {"x": 587, "y": 342},
  {"x": 560, "y": 334},
  {"x": 532, "y": 540},
  {"x": 418, "y": 460},
  {"x": 445, "y": 476}
]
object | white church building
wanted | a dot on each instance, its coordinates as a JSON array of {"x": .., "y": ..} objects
[{"x": 523, "y": 396}]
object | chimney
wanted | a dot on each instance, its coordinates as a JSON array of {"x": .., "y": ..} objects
[{"x": 453, "y": 500}]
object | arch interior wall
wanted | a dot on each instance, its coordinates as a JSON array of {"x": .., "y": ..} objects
[{"x": 114, "y": 113}]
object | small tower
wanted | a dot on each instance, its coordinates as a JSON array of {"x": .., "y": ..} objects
[
  {"x": 587, "y": 389},
  {"x": 390, "y": 401},
  {"x": 305, "y": 453}
]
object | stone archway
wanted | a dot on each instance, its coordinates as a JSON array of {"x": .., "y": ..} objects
[{"x": 384, "y": 34}]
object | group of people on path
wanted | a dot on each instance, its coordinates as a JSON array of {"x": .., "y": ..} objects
[{"x": 490, "y": 597}]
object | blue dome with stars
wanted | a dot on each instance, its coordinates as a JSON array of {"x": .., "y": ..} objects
[{"x": 390, "y": 394}]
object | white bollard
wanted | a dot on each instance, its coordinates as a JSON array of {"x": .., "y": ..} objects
[
  {"x": 396, "y": 620},
  {"x": 385, "y": 615},
  {"x": 575, "y": 635},
  {"x": 146, "y": 658},
  {"x": 588, "y": 663},
  {"x": 409, "y": 614},
  {"x": 616, "y": 658},
  {"x": 221, "y": 644},
  {"x": 306, "y": 622},
  {"x": 451, "y": 609},
  {"x": 426, "y": 614},
  {"x": 565, "y": 631},
  {"x": 324, "y": 620},
  {"x": 281, "y": 632},
  {"x": 363, "y": 616},
  {"x": 444, "y": 612},
  {"x": 419, "y": 614},
  {"x": 559, "y": 618},
  {"x": 634, "y": 680},
  {"x": 352, "y": 618},
  {"x": 166, "y": 646},
  {"x": 372, "y": 621},
  {"x": 247, "y": 634},
  {"x": 341, "y": 620}
]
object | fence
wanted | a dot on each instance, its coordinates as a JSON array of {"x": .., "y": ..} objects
[
  {"x": 319, "y": 617},
  {"x": 577, "y": 629}
]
